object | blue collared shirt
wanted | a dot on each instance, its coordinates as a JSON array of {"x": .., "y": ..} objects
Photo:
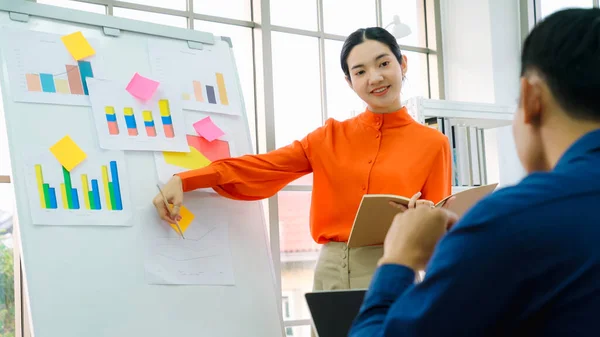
[{"x": 525, "y": 261}]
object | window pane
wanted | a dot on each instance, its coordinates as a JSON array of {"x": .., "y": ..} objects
[
  {"x": 171, "y": 4},
  {"x": 551, "y": 6},
  {"x": 301, "y": 14},
  {"x": 299, "y": 252},
  {"x": 411, "y": 13},
  {"x": 163, "y": 19},
  {"x": 342, "y": 101},
  {"x": 75, "y": 5},
  {"x": 342, "y": 17},
  {"x": 296, "y": 82},
  {"x": 234, "y": 9},
  {"x": 7, "y": 298},
  {"x": 416, "y": 83},
  {"x": 241, "y": 39}
]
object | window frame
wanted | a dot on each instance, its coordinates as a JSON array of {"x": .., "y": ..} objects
[{"x": 261, "y": 27}]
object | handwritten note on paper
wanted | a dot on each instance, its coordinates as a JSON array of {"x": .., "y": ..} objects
[
  {"x": 207, "y": 129},
  {"x": 68, "y": 153},
  {"x": 186, "y": 219},
  {"x": 78, "y": 46},
  {"x": 142, "y": 87}
]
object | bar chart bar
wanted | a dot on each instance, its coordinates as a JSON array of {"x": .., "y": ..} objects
[
  {"x": 222, "y": 89},
  {"x": 63, "y": 192},
  {"x": 116, "y": 186},
  {"x": 62, "y": 86},
  {"x": 130, "y": 122},
  {"x": 33, "y": 82},
  {"x": 198, "y": 91},
  {"x": 106, "y": 188},
  {"x": 68, "y": 187},
  {"x": 47, "y": 83},
  {"x": 40, "y": 185},
  {"x": 74, "y": 78},
  {"x": 165, "y": 116},
  {"x": 96, "y": 194},
  {"x": 50, "y": 193},
  {"x": 75, "y": 198},
  {"x": 149, "y": 123},
  {"x": 111, "y": 120},
  {"x": 85, "y": 70},
  {"x": 210, "y": 92},
  {"x": 86, "y": 190}
]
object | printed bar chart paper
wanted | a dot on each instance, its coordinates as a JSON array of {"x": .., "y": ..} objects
[
  {"x": 124, "y": 122},
  {"x": 41, "y": 69}
]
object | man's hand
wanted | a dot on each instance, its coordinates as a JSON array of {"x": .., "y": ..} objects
[{"x": 414, "y": 234}]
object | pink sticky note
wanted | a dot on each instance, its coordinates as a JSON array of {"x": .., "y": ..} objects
[
  {"x": 207, "y": 129},
  {"x": 141, "y": 87}
]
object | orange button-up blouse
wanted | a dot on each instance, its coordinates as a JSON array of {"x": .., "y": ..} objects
[{"x": 370, "y": 153}]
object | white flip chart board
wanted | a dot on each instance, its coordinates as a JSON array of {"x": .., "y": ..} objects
[{"x": 97, "y": 260}]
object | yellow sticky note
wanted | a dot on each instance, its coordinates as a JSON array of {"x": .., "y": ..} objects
[
  {"x": 68, "y": 153},
  {"x": 78, "y": 46},
  {"x": 186, "y": 219}
]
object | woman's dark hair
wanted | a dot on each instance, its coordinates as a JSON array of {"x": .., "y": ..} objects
[
  {"x": 363, "y": 34},
  {"x": 565, "y": 49}
]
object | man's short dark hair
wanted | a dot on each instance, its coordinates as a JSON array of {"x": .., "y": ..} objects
[{"x": 565, "y": 49}]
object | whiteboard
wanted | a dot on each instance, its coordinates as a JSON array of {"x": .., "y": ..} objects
[{"x": 90, "y": 280}]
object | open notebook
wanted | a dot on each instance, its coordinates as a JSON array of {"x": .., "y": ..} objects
[{"x": 375, "y": 214}]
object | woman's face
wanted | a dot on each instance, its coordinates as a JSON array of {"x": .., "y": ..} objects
[{"x": 376, "y": 75}]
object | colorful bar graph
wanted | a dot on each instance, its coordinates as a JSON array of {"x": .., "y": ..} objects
[
  {"x": 165, "y": 116},
  {"x": 222, "y": 89},
  {"x": 33, "y": 82},
  {"x": 111, "y": 120},
  {"x": 47, "y": 83},
  {"x": 91, "y": 197},
  {"x": 85, "y": 70},
  {"x": 130, "y": 122},
  {"x": 210, "y": 92},
  {"x": 149, "y": 123},
  {"x": 74, "y": 83},
  {"x": 74, "y": 78},
  {"x": 198, "y": 91}
]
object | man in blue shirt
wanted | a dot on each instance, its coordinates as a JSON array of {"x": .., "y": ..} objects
[{"x": 525, "y": 261}]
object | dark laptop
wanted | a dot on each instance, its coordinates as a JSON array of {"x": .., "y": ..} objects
[{"x": 333, "y": 312}]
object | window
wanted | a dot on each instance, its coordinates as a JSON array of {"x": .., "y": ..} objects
[
  {"x": 75, "y": 5},
  {"x": 415, "y": 83},
  {"x": 550, "y": 6},
  {"x": 298, "y": 250},
  {"x": 234, "y": 9},
  {"x": 296, "y": 86},
  {"x": 161, "y": 19},
  {"x": 171, "y": 4},
  {"x": 299, "y": 14},
  {"x": 410, "y": 13},
  {"x": 342, "y": 17},
  {"x": 241, "y": 39}
]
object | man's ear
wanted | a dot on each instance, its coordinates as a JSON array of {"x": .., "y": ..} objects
[{"x": 531, "y": 96}]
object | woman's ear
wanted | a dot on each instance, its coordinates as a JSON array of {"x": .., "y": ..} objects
[{"x": 404, "y": 65}]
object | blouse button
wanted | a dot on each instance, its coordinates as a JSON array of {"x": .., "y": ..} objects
[
  {"x": 370, "y": 161},
  {"x": 377, "y": 136}
]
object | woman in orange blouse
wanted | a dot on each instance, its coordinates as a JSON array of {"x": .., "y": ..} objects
[{"x": 382, "y": 150}]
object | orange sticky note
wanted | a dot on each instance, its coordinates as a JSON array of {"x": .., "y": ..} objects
[
  {"x": 68, "y": 153},
  {"x": 186, "y": 219},
  {"x": 78, "y": 46}
]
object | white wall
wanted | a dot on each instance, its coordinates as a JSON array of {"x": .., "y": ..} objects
[{"x": 482, "y": 44}]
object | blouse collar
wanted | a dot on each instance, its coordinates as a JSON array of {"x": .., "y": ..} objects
[{"x": 386, "y": 120}]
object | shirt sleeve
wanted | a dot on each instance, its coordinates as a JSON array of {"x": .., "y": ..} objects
[
  {"x": 439, "y": 181},
  {"x": 468, "y": 287},
  {"x": 255, "y": 177}
]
